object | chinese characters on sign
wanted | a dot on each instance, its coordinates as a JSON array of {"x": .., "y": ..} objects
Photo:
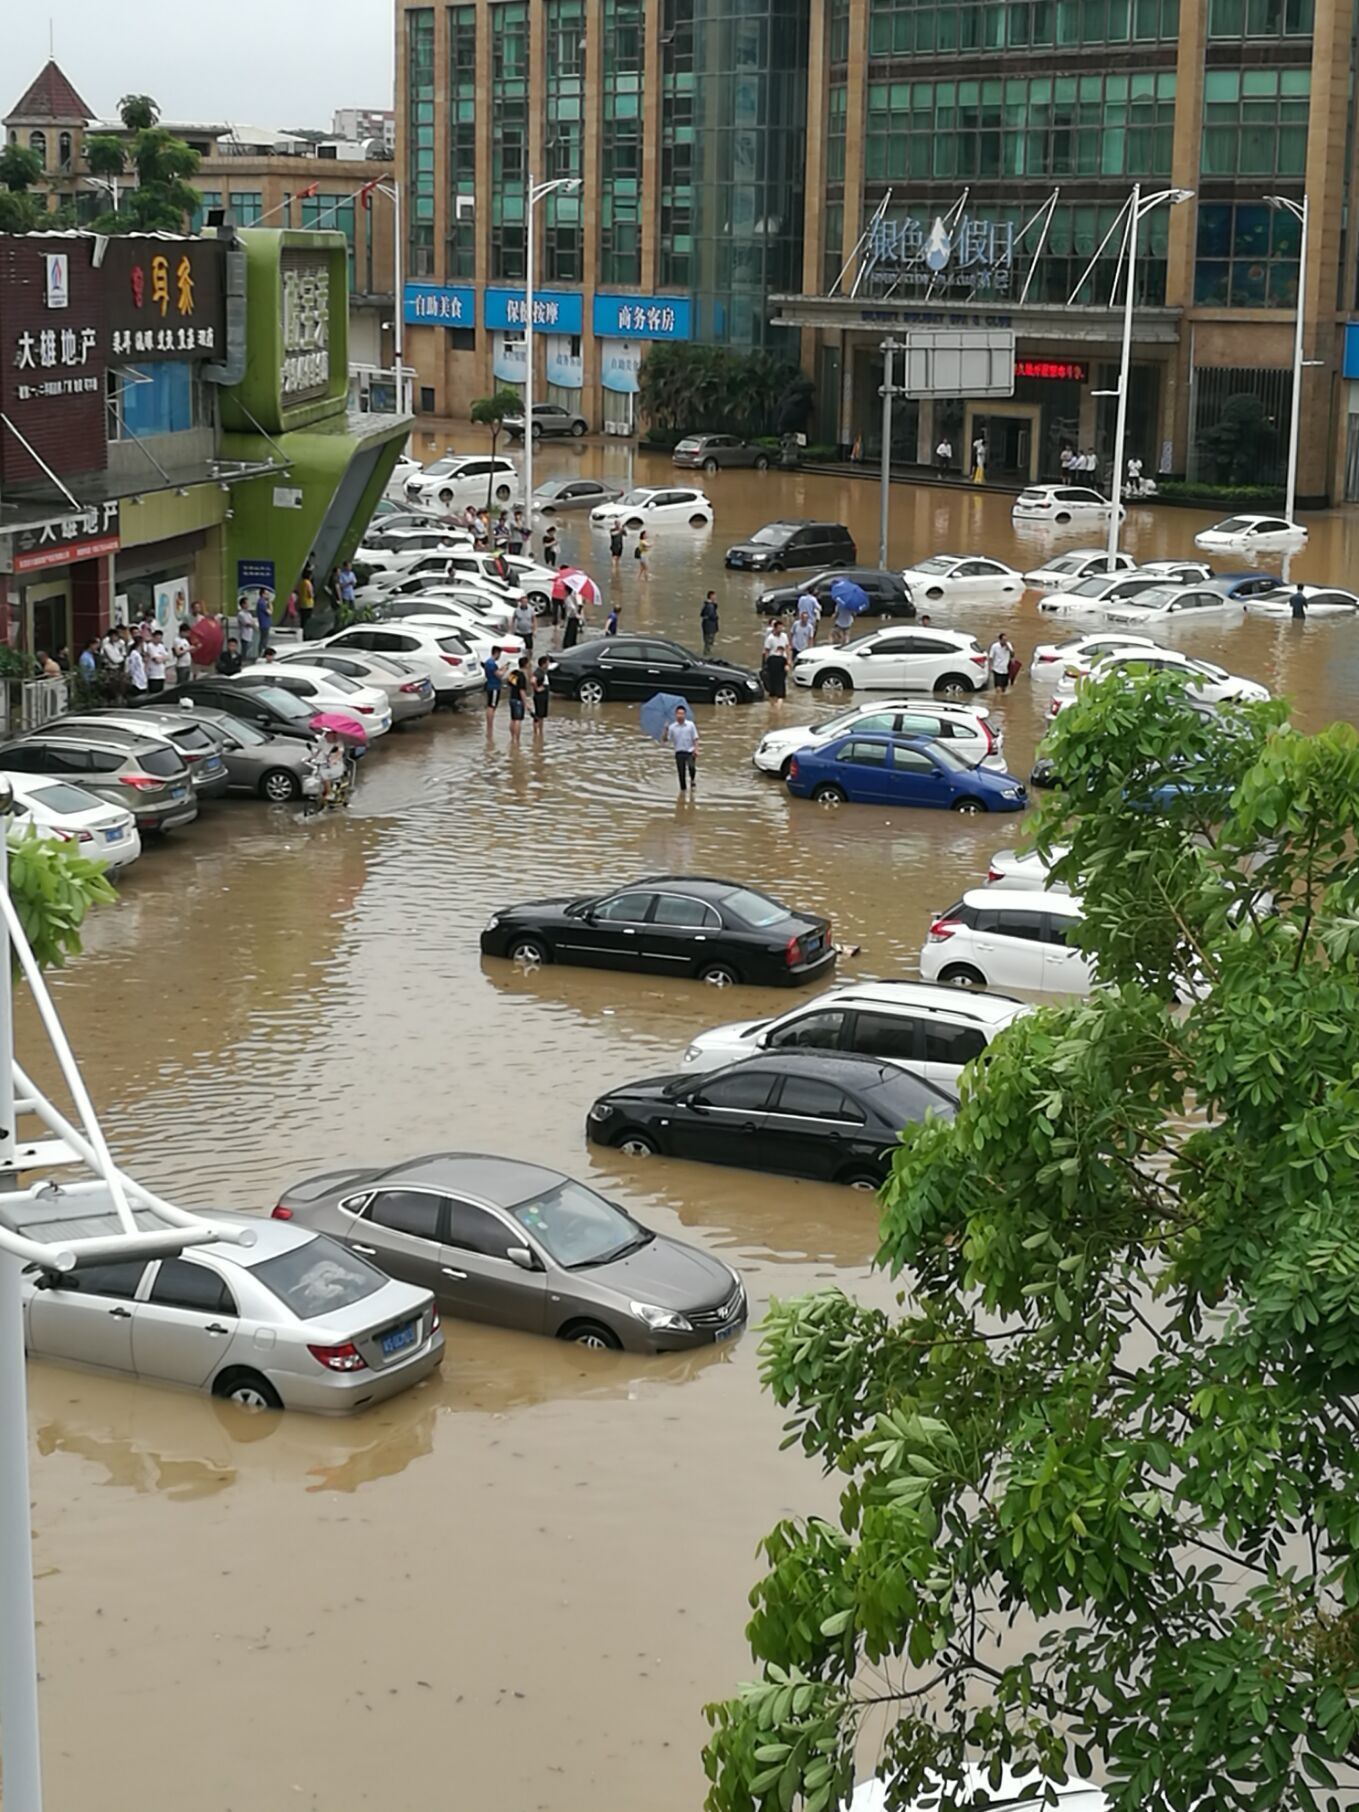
[
  {"x": 164, "y": 299},
  {"x": 1069, "y": 369},
  {"x": 643, "y": 317},
  {"x": 78, "y": 537},
  {"x": 52, "y": 354},
  {"x": 306, "y": 330},
  {"x": 438, "y": 305},
  {"x": 445, "y": 305},
  {"x": 546, "y": 310},
  {"x": 974, "y": 254},
  {"x": 654, "y": 319}
]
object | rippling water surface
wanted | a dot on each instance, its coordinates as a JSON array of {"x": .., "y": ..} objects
[{"x": 516, "y": 1586}]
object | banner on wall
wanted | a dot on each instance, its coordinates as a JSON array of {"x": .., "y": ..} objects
[
  {"x": 619, "y": 363},
  {"x": 565, "y": 367},
  {"x": 643, "y": 317},
  {"x": 554, "y": 310},
  {"x": 507, "y": 358},
  {"x": 172, "y": 606},
  {"x": 440, "y": 305}
]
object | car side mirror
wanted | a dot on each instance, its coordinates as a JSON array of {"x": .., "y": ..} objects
[
  {"x": 697, "y": 1104},
  {"x": 521, "y": 1256}
]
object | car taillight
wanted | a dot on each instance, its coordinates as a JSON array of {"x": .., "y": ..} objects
[
  {"x": 793, "y": 953},
  {"x": 989, "y": 734},
  {"x": 977, "y": 660},
  {"x": 144, "y": 783},
  {"x": 451, "y": 660},
  {"x": 346, "y": 1358},
  {"x": 413, "y": 685},
  {"x": 364, "y": 710},
  {"x": 992, "y": 876},
  {"x": 86, "y": 836},
  {"x": 281, "y": 1213},
  {"x": 434, "y": 1321},
  {"x": 792, "y": 768},
  {"x": 943, "y": 928},
  {"x": 1054, "y": 709}
]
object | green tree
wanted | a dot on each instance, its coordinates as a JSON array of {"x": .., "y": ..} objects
[
  {"x": 163, "y": 199},
  {"x": 1098, "y": 1478},
  {"x": 20, "y": 168},
  {"x": 105, "y": 155},
  {"x": 690, "y": 389},
  {"x": 138, "y": 112},
  {"x": 1242, "y": 445},
  {"x": 53, "y": 888},
  {"x": 490, "y": 412},
  {"x": 20, "y": 210}
]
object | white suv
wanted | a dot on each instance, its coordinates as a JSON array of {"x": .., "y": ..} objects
[
  {"x": 965, "y": 728},
  {"x": 458, "y": 479},
  {"x": 999, "y": 937},
  {"x": 1062, "y": 503},
  {"x": 445, "y": 657},
  {"x": 933, "y": 1031},
  {"x": 906, "y": 658}
]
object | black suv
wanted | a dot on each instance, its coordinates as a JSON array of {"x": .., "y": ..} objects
[
  {"x": 783, "y": 544},
  {"x": 888, "y": 594}
]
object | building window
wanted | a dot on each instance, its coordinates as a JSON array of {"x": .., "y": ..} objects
[
  {"x": 247, "y": 205},
  {"x": 1239, "y": 432},
  {"x": 64, "y": 151},
  {"x": 1255, "y": 122},
  {"x": 620, "y": 240},
  {"x": 420, "y": 139},
  {"x": 331, "y": 214},
  {"x": 1260, "y": 18},
  {"x": 207, "y": 200},
  {"x": 837, "y": 29},
  {"x": 563, "y": 140},
  {"x": 37, "y": 143},
  {"x": 900, "y": 28},
  {"x": 462, "y": 140},
  {"x": 509, "y": 136},
  {"x": 1247, "y": 256},
  {"x": 837, "y": 102},
  {"x": 145, "y": 400},
  {"x": 677, "y": 144},
  {"x": 832, "y": 241}
]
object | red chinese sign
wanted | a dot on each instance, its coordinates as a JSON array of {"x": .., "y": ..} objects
[{"x": 1063, "y": 369}]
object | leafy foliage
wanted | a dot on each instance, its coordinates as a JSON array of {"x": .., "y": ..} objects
[
  {"x": 163, "y": 198},
  {"x": 1099, "y": 1477},
  {"x": 53, "y": 887},
  {"x": 1242, "y": 443},
  {"x": 20, "y": 168},
  {"x": 685, "y": 388},
  {"x": 490, "y": 412}
]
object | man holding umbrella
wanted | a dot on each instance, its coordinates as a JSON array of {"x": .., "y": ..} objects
[{"x": 849, "y": 600}]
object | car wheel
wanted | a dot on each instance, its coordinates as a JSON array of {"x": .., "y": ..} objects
[
  {"x": 969, "y": 806},
  {"x": 719, "y": 975},
  {"x": 590, "y": 1333},
  {"x": 592, "y": 692},
  {"x": 762, "y": 463},
  {"x": 860, "y": 1179},
  {"x": 634, "y": 522},
  {"x": 539, "y": 600},
  {"x": 934, "y": 594},
  {"x": 699, "y": 521},
  {"x": 962, "y": 975},
  {"x": 829, "y": 794},
  {"x": 503, "y": 493},
  {"x": 726, "y": 695},
  {"x": 445, "y": 498},
  {"x": 577, "y": 430},
  {"x": 537, "y": 430},
  {"x": 636, "y": 1144},
  {"x": 278, "y": 786},
  {"x": 532, "y": 952},
  {"x": 248, "y": 1390},
  {"x": 832, "y": 681},
  {"x": 787, "y": 768},
  {"x": 951, "y": 684},
  {"x": 710, "y": 466},
  {"x": 1062, "y": 516}
]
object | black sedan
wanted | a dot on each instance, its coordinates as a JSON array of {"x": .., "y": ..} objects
[
  {"x": 888, "y": 595},
  {"x": 714, "y": 931},
  {"x": 826, "y": 1115},
  {"x": 628, "y": 666}
]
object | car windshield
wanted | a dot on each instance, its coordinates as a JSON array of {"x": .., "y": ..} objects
[
  {"x": 553, "y": 488},
  {"x": 1090, "y": 588},
  {"x": 66, "y": 799},
  {"x": 901, "y": 1097},
  {"x": 441, "y": 467},
  {"x": 945, "y": 758},
  {"x": 847, "y": 716},
  {"x": 578, "y": 1227},
  {"x": 690, "y": 444},
  {"x": 1069, "y": 563},
  {"x": 1233, "y": 525},
  {"x": 1154, "y": 597},
  {"x": 283, "y": 702},
  {"x": 239, "y": 731},
  {"x": 773, "y": 536},
  {"x": 318, "y": 1278},
  {"x": 635, "y": 499},
  {"x": 940, "y": 563},
  {"x": 756, "y": 909}
]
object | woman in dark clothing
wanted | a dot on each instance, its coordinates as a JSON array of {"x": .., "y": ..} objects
[
  {"x": 776, "y": 674},
  {"x": 571, "y": 634}
]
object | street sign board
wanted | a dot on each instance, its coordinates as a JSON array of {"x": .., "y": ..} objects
[{"x": 959, "y": 361}]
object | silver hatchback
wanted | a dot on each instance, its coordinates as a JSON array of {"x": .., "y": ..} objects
[{"x": 293, "y": 1322}]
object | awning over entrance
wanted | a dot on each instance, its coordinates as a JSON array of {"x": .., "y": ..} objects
[{"x": 1033, "y": 321}]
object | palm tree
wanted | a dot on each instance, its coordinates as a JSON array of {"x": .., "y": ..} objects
[{"x": 138, "y": 112}]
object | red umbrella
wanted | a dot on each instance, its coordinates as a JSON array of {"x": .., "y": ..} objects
[{"x": 348, "y": 729}]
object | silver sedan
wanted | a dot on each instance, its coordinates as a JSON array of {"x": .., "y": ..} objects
[
  {"x": 409, "y": 692},
  {"x": 293, "y": 1322}
]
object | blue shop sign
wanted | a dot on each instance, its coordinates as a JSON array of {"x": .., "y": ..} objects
[
  {"x": 643, "y": 318},
  {"x": 554, "y": 310},
  {"x": 440, "y": 305},
  {"x": 1350, "y": 369}
]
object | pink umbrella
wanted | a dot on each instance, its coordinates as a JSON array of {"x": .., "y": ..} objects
[
  {"x": 348, "y": 729},
  {"x": 584, "y": 587}
]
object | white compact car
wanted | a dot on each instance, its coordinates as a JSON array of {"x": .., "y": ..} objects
[
  {"x": 1063, "y": 572},
  {"x": 1208, "y": 684},
  {"x": 906, "y": 658},
  {"x": 1012, "y": 1793},
  {"x": 997, "y": 937},
  {"x": 471, "y": 607},
  {"x": 326, "y": 691},
  {"x": 533, "y": 580},
  {"x": 933, "y": 1031},
  {"x": 59, "y": 811},
  {"x": 1252, "y": 535},
  {"x": 1026, "y": 871},
  {"x": 961, "y": 576},
  {"x": 1051, "y": 659},
  {"x": 1185, "y": 603},
  {"x": 965, "y": 728},
  {"x": 398, "y": 550},
  {"x": 439, "y": 567},
  {"x": 448, "y": 659},
  {"x": 403, "y": 471},
  {"x": 458, "y": 479},
  {"x": 1061, "y": 504},
  {"x": 1322, "y": 601},
  {"x": 655, "y": 506}
]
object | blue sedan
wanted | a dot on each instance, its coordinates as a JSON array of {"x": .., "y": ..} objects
[{"x": 873, "y": 769}]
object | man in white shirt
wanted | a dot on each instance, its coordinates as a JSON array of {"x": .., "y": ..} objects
[
  {"x": 183, "y": 658},
  {"x": 682, "y": 735},
  {"x": 136, "y": 671},
  {"x": 1000, "y": 655},
  {"x": 943, "y": 454},
  {"x": 157, "y": 658},
  {"x": 776, "y": 640}
]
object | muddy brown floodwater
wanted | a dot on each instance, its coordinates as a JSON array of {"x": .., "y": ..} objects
[{"x": 516, "y": 1586}]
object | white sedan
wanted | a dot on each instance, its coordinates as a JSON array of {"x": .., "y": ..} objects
[
  {"x": 491, "y": 614},
  {"x": 1321, "y": 600},
  {"x": 1208, "y": 684},
  {"x": 655, "y": 506},
  {"x": 1024, "y": 870},
  {"x": 1081, "y": 652},
  {"x": 1081, "y": 563},
  {"x": 961, "y": 576},
  {"x": 1062, "y": 503},
  {"x": 325, "y": 691},
  {"x": 533, "y": 580},
  {"x": 1252, "y": 535},
  {"x": 909, "y": 658},
  {"x": 965, "y": 728},
  {"x": 59, "y": 811},
  {"x": 1186, "y": 603}
]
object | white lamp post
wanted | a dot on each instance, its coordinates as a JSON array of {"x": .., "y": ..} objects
[
  {"x": 1139, "y": 205},
  {"x": 534, "y": 193},
  {"x": 393, "y": 193},
  {"x": 1298, "y": 209}
]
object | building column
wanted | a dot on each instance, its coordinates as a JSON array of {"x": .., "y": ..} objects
[
  {"x": 813, "y": 229},
  {"x": 1321, "y": 450},
  {"x": 651, "y": 147},
  {"x": 485, "y": 26},
  {"x": 591, "y": 395},
  {"x": 1186, "y": 147},
  {"x": 537, "y": 163},
  {"x": 856, "y": 109}
]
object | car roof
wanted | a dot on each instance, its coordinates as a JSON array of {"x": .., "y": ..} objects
[
  {"x": 960, "y": 637},
  {"x": 1021, "y": 900},
  {"x": 958, "y": 1003},
  {"x": 504, "y": 1181},
  {"x": 847, "y": 1066},
  {"x": 121, "y": 744},
  {"x": 703, "y": 887}
]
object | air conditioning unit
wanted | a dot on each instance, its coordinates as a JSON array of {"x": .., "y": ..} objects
[
  {"x": 617, "y": 428},
  {"x": 464, "y": 207}
]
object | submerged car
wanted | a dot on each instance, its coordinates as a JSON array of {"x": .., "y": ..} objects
[
  {"x": 868, "y": 768},
  {"x": 1252, "y": 534},
  {"x": 521, "y": 1246}
]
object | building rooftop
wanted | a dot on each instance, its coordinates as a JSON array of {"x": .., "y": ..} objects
[{"x": 50, "y": 97}]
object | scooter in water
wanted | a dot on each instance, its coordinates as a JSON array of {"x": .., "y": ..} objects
[{"x": 335, "y": 796}]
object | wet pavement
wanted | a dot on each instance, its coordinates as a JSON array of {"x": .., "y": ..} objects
[{"x": 516, "y": 1586}]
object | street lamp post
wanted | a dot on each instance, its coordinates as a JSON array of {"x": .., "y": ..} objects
[
  {"x": 889, "y": 393},
  {"x": 1139, "y": 206},
  {"x": 533, "y": 193},
  {"x": 1298, "y": 209},
  {"x": 393, "y": 193}
]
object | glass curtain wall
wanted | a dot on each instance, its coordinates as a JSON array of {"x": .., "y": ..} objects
[
  {"x": 462, "y": 140},
  {"x": 509, "y": 136},
  {"x": 420, "y": 140},
  {"x": 563, "y": 144},
  {"x": 620, "y": 204}
]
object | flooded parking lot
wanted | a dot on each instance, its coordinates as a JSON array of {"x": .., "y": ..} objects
[{"x": 516, "y": 1585}]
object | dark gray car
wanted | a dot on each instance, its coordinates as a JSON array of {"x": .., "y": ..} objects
[
  {"x": 525, "y": 1247},
  {"x": 276, "y": 768},
  {"x": 717, "y": 452},
  {"x": 146, "y": 776},
  {"x": 573, "y": 494}
]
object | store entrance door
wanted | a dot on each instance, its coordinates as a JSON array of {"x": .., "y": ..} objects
[
  {"x": 47, "y": 616},
  {"x": 1011, "y": 435}
]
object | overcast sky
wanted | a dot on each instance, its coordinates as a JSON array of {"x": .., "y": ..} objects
[{"x": 265, "y": 62}]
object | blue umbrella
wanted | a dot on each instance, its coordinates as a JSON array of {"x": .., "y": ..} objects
[
  {"x": 658, "y": 713},
  {"x": 849, "y": 596}
]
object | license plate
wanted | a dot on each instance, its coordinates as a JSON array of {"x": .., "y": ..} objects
[
  {"x": 178, "y": 794},
  {"x": 398, "y": 1339},
  {"x": 726, "y": 1333},
  {"x": 811, "y": 945},
  {"x": 113, "y": 836},
  {"x": 213, "y": 765}
]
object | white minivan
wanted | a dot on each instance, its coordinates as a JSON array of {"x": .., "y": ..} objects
[{"x": 995, "y": 937}]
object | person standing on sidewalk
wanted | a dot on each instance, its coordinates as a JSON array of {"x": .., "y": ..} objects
[
  {"x": 707, "y": 618},
  {"x": 682, "y": 736},
  {"x": 306, "y": 597},
  {"x": 264, "y": 623},
  {"x": 157, "y": 658},
  {"x": 206, "y": 641},
  {"x": 943, "y": 454}
]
